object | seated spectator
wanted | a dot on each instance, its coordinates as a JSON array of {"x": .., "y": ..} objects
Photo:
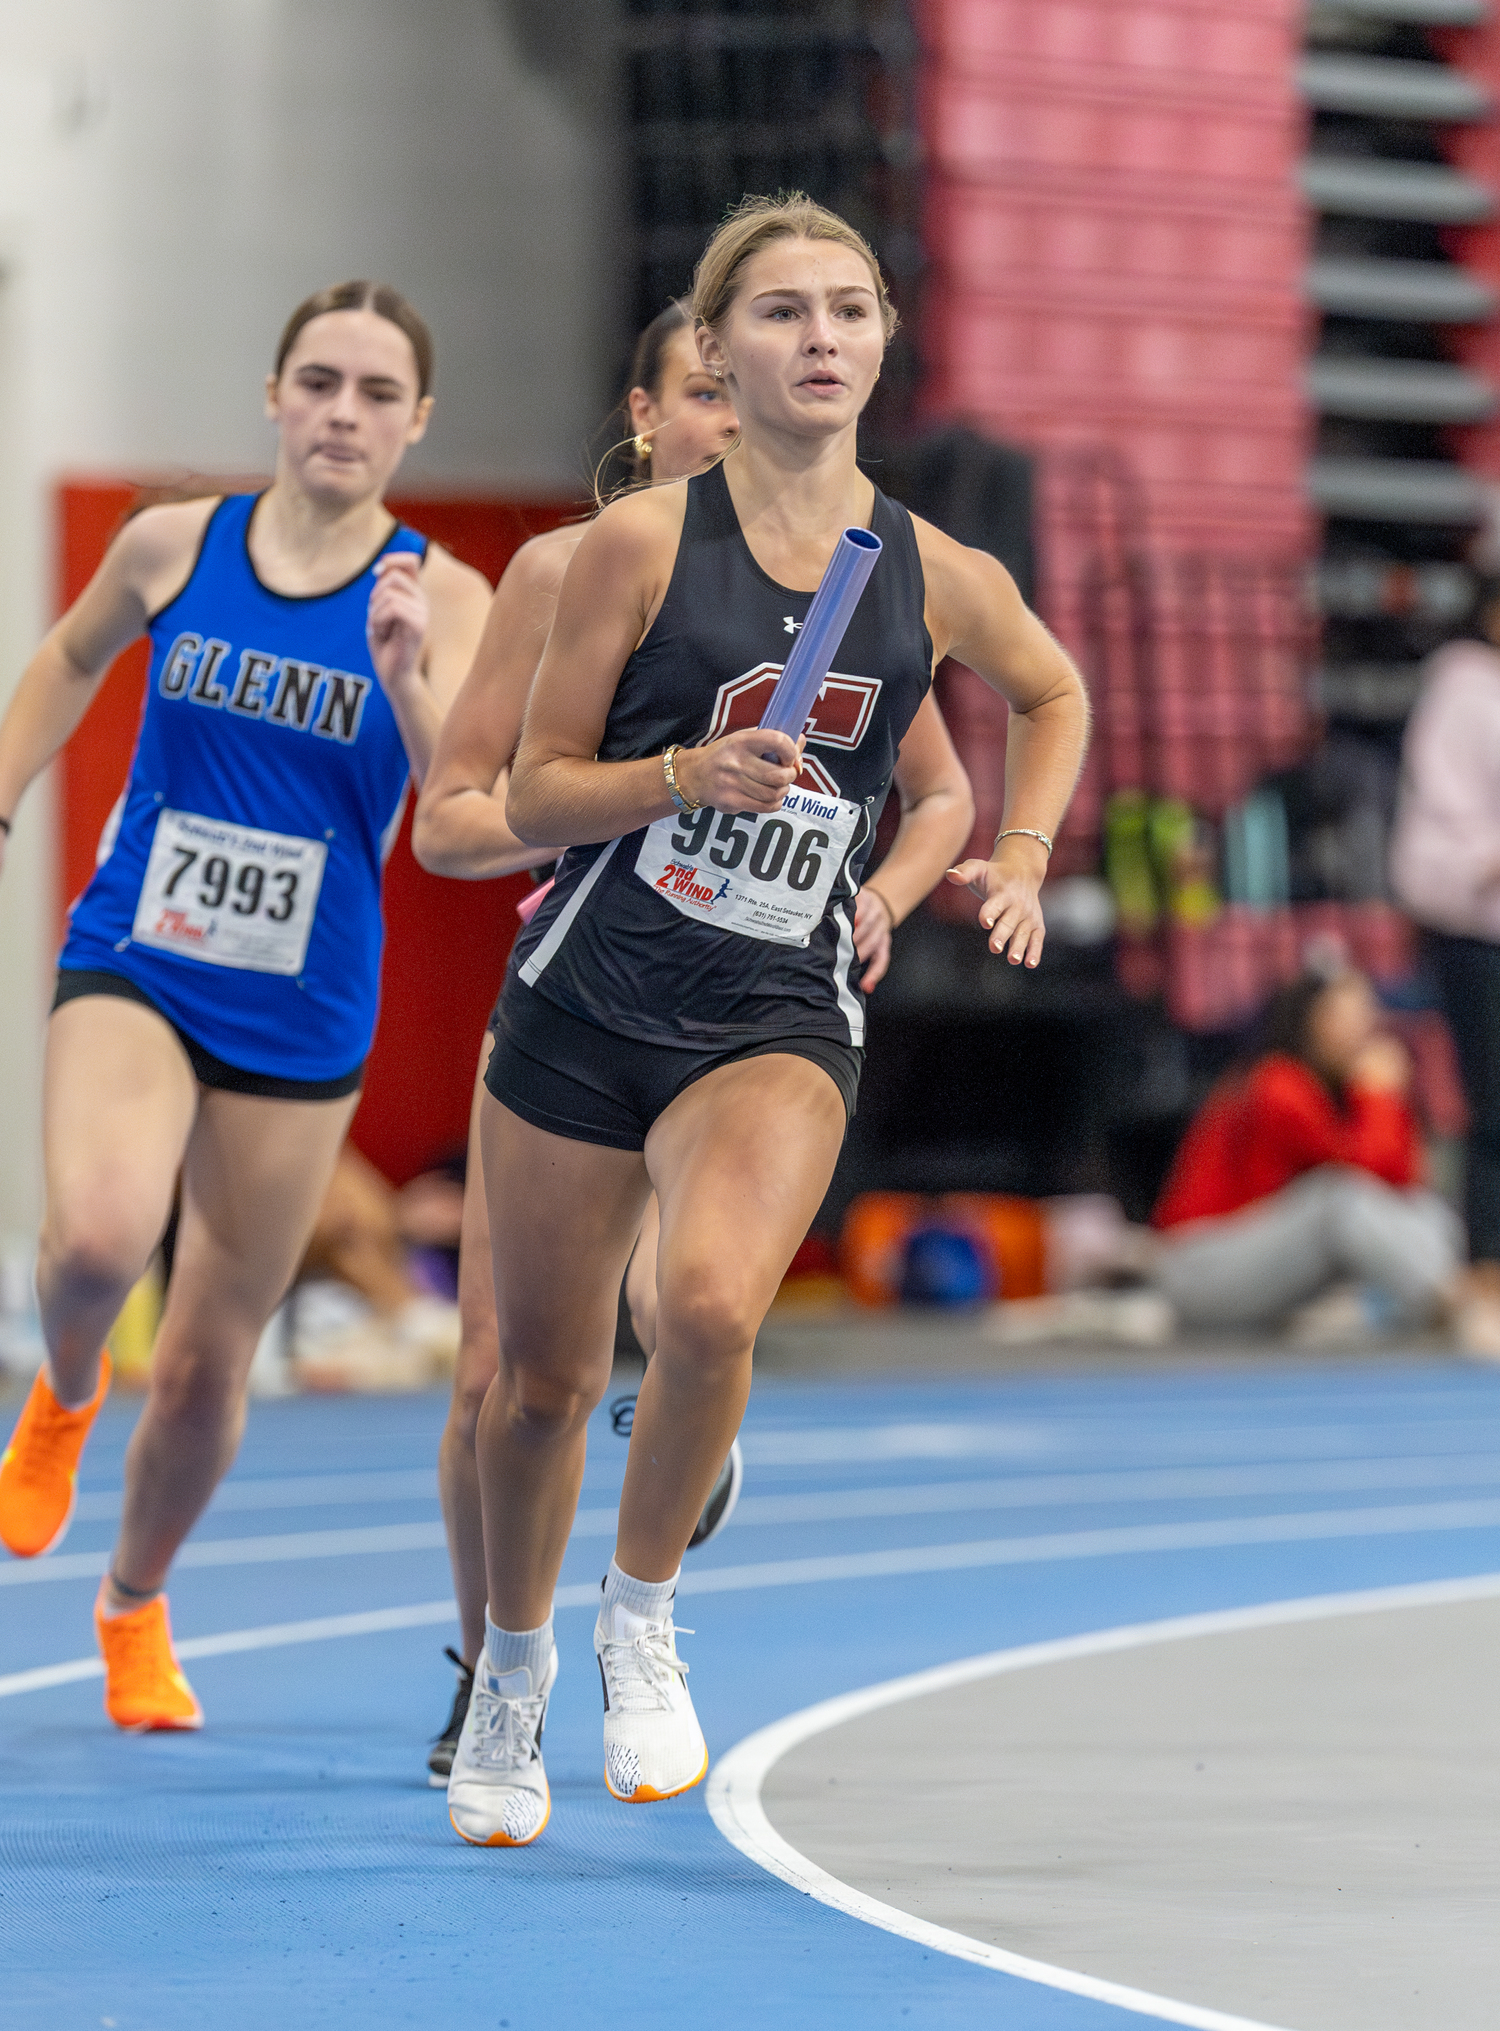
[{"x": 1302, "y": 1172}]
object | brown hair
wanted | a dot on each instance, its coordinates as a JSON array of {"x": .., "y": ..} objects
[
  {"x": 377, "y": 296},
  {"x": 648, "y": 363},
  {"x": 621, "y": 467},
  {"x": 754, "y": 223}
]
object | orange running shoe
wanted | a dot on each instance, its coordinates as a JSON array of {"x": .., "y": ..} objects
[
  {"x": 144, "y": 1687},
  {"x": 39, "y": 1473}
]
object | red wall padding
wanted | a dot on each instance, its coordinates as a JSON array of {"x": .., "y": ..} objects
[
  {"x": 446, "y": 942},
  {"x": 1116, "y": 244}
]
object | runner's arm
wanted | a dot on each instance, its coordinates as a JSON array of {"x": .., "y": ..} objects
[
  {"x": 460, "y": 829},
  {"x": 975, "y": 614},
  {"x": 147, "y": 564},
  {"x": 561, "y": 794},
  {"x": 424, "y": 625},
  {"x": 937, "y": 813},
  {"x": 937, "y": 816}
]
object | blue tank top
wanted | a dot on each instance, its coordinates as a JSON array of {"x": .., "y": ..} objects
[{"x": 239, "y": 877}]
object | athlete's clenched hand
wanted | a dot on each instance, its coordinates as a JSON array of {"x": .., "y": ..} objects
[
  {"x": 397, "y": 621},
  {"x": 872, "y": 936},
  {"x": 747, "y": 771},
  {"x": 1011, "y": 911}
]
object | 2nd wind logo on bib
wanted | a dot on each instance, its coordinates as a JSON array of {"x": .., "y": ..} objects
[{"x": 682, "y": 881}]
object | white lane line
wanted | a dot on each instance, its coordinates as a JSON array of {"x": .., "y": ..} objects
[
  {"x": 240, "y": 1551},
  {"x": 585, "y": 1594},
  {"x": 1022, "y": 1490},
  {"x": 1085, "y": 1544},
  {"x": 304, "y": 1491},
  {"x": 805, "y": 1446},
  {"x": 276, "y": 1636},
  {"x": 1037, "y": 1491},
  {"x": 1206, "y": 1535},
  {"x": 291, "y": 1491},
  {"x": 816, "y": 1446},
  {"x": 737, "y": 1779}
]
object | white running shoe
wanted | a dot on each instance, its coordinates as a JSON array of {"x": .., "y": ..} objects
[
  {"x": 653, "y": 1746},
  {"x": 497, "y": 1789}
]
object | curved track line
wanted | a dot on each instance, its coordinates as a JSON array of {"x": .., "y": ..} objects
[{"x": 735, "y": 1783}]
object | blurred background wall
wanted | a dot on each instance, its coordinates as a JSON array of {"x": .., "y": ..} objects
[{"x": 174, "y": 176}]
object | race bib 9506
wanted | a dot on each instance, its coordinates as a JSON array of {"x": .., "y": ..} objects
[{"x": 763, "y": 874}]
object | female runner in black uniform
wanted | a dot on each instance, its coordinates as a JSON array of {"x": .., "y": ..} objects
[
  {"x": 682, "y": 421},
  {"x": 681, "y": 1014}
]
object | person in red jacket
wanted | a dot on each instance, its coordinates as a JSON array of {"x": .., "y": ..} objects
[{"x": 1304, "y": 1171}]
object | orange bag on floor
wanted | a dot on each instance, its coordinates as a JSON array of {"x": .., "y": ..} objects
[
  {"x": 872, "y": 1246},
  {"x": 1010, "y": 1231}
]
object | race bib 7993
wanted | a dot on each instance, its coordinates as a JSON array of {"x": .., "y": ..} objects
[{"x": 229, "y": 895}]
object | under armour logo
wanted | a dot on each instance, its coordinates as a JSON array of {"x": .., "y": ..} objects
[{"x": 792, "y": 625}]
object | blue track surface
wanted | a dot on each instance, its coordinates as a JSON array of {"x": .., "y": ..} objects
[{"x": 290, "y": 1867}]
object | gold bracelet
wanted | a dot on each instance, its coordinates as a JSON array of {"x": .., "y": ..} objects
[
  {"x": 1024, "y": 832},
  {"x": 680, "y": 798}
]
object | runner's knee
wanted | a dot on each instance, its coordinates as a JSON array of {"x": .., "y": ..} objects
[
  {"x": 94, "y": 1254},
  {"x": 196, "y": 1384},
  {"x": 539, "y": 1400},
  {"x": 708, "y": 1321}
]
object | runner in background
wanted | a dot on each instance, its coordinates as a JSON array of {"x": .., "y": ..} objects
[{"x": 217, "y": 992}]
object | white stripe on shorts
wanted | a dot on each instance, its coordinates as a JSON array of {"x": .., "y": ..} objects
[
  {"x": 851, "y": 1001},
  {"x": 547, "y": 951}
]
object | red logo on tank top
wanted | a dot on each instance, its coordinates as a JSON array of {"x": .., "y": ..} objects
[{"x": 840, "y": 718}]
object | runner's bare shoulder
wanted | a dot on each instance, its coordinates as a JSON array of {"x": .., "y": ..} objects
[{"x": 155, "y": 552}]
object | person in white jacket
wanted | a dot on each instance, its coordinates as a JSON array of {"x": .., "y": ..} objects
[{"x": 1445, "y": 869}]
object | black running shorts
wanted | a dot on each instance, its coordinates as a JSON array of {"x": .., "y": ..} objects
[
  {"x": 74, "y": 983},
  {"x": 590, "y": 1085}
]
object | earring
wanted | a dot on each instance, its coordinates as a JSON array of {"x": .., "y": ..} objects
[
  {"x": 718, "y": 373},
  {"x": 642, "y": 447}
]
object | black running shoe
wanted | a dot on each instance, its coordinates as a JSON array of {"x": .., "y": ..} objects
[
  {"x": 725, "y": 1492},
  {"x": 440, "y": 1762}
]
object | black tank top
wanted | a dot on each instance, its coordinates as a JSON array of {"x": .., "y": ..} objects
[{"x": 608, "y": 944}]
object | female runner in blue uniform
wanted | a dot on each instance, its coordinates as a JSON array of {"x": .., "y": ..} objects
[
  {"x": 682, "y": 1014},
  {"x": 217, "y": 991},
  {"x": 682, "y": 421}
]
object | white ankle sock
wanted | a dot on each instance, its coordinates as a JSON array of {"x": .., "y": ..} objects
[
  {"x": 508, "y": 1650},
  {"x": 629, "y": 1602}
]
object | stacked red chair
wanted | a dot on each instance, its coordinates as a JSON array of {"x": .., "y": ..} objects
[{"x": 1117, "y": 245}]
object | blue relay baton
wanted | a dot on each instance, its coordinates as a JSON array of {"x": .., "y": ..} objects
[{"x": 806, "y": 669}]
